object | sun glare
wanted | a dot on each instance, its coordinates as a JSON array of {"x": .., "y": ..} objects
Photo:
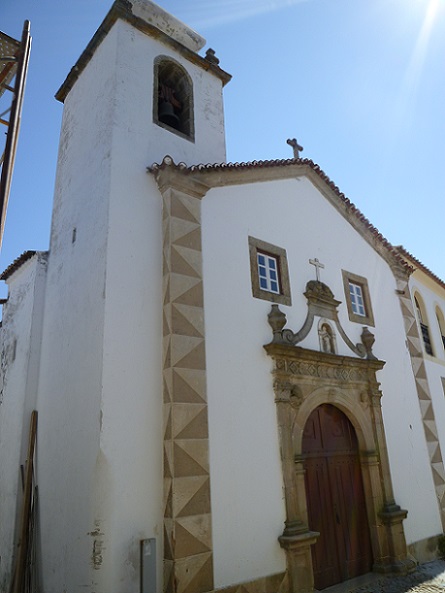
[
  {"x": 413, "y": 73},
  {"x": 431, "y": 12},
  {"x": 420, "y": 49}
]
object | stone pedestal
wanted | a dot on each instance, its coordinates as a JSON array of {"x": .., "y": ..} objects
[{"x": 299, "y": 560}]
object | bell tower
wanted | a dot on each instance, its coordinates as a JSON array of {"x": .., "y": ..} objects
[
  {"x": 138, "y": 92},
  {"x": 160, "y": 82}
]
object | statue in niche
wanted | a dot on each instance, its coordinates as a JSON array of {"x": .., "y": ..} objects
[{"x": 327, "y": 338}]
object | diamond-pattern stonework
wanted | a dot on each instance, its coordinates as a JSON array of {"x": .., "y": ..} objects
[
  {"x": 197, "y": 502},
  {"x": 423, "y": 393},
  {"x": 187, "y": 519},
  {"x": 189, "y": 421},
  {"x": 195, "y": 573},
  {"x": 187, "y": 320},
  {"x": 189, "y": 386}
]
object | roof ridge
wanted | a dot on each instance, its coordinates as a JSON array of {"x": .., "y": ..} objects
[
  {"x": 421, "y": 265},
  {"x": 209, "y": 167}
]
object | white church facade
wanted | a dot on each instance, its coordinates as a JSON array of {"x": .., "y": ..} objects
[{"x": 228, "y": 362}]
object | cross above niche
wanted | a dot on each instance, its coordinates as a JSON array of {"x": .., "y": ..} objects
[{"x": 318, "y": 265}]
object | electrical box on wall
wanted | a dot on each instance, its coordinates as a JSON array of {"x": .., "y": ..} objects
[{"x": 148, "y": 565}]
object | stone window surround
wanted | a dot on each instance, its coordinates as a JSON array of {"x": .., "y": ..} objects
[
  {"x": 257, "y": 245},
  {"x": 367, "y": 319}
]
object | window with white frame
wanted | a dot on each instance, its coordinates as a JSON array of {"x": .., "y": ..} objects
[
  {"x": 269, "y": 272},
  {"x": 358, "y": 299}
]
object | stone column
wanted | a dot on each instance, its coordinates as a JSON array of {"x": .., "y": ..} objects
[
  {"x": 188, "y": 562},
  {"x": 297, "y": 539},
  {"x": 394, "y": 556}
]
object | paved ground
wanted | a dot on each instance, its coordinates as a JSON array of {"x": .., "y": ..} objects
[{"x": 427, "y": 578}]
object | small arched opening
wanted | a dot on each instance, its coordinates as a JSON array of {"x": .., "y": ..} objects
[
  {"x": 441, "y": 323},
  {"x": 173, "y": 97},
  {"x": 423, "y": 323}
]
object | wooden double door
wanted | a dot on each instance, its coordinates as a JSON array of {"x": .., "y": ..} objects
[{"x": 335, "y": 498}]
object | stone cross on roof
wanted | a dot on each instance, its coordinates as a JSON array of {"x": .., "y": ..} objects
[
  {"x": 293, "y": 142},
  {"x": 315, "y": 262}
]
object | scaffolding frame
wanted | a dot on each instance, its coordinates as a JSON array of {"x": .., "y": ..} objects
[{"x": 14, "y": 59}]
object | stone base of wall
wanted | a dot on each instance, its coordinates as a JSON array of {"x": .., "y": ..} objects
[
  {"x": 276, "y": 583},
  {"x": 425, "y": 550}
]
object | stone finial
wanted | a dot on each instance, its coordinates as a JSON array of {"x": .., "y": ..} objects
[
  {"x": 211, "y": 57},
  {"x": 368, "y": 340},
  {"x": 277, "y": 320}
]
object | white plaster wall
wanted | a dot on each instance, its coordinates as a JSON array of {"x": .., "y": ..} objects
[
  {"x": 20, "y": 352},
  {"x": 70, "y": 389},
  {"x": 247, "y": 503},
  {"x": 131, "y": 409},
  {"x": 131, "y": 428}
]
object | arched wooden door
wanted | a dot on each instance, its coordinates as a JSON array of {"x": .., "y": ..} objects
[{"x": 335, "y": 498}]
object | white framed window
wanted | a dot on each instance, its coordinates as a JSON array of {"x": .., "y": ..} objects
[
  {"x": 269, "y": 272},
  {"x": 358, "y": 300}
]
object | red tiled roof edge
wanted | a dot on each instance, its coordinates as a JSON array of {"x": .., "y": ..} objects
[
  {"x": 168, "y": 161},
  {"x": 16, "y": 264},
  {"x": 420, "y": 265}
]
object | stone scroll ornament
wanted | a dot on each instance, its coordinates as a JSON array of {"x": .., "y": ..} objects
[{"x": 321, "y": 303}]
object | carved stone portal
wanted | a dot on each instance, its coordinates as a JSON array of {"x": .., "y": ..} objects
[{"x": 303, "y": 380}]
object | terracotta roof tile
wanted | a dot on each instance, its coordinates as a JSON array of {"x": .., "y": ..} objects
[
  {"x": 16, "y": 264},
  {"x": 419, "y": 265}
]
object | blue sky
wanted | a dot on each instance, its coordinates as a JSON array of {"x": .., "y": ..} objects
[{"x": 361, "y": 84}]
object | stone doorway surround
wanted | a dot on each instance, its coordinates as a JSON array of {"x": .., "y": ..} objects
[{"x": 303, "y": 380}]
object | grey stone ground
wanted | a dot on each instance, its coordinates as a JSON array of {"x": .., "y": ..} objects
[{"x": 427, "y": 578}]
